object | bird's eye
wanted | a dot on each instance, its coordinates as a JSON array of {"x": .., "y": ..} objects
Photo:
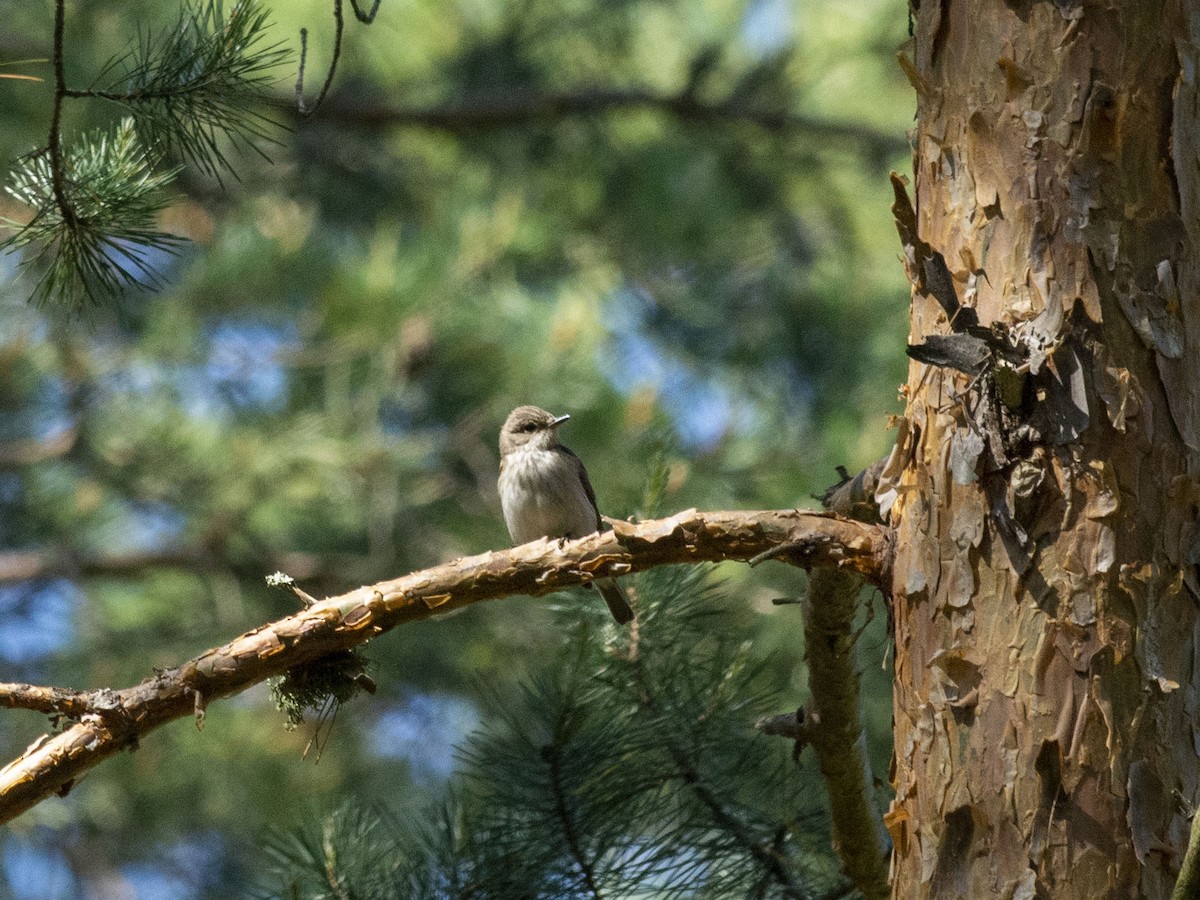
[{"x": 529, "y": 427}]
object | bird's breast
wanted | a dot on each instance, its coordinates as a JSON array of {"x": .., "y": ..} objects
[{"x": 542, "y": 496}]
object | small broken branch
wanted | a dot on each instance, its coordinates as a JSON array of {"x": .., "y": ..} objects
[
  {"x": 51, "y": 700},
  {"x": 854, "y": 497},
  {"x": 789, "y": 725},
  {"x": 342, "y": 622}
]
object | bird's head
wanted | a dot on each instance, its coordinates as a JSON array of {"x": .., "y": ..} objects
[{"x": 529, "y": 426}]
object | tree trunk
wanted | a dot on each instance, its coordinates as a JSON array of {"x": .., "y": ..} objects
[{"x": 1046, "y": 694}]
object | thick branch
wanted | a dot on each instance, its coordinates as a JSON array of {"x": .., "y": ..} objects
[
  {"x": 516, "y": 108},
  {"x": 1188, "y": 883},
  {"x": 345, "y": 621},
  {"x": 25, "y": 565},
  {"x": 27, "y": 451},
  {"x": 837, "y": 735},
  {"x": 22, "y": 565}
]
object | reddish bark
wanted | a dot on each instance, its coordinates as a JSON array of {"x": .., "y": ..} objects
[{"x": 1045, "y": 587}]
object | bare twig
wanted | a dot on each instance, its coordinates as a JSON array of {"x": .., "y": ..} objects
[
  {"x": 342, "y": 622},
  {"x": 339, "y": 22},
  {"x": 339, "y": 27},
  {"x": 58, "y": 177},
  {"x": 365, "y": 17}
]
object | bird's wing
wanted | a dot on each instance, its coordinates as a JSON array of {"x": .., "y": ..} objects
[{"x": 587, "y": 485}]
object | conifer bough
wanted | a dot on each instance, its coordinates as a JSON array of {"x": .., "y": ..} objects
[{"x": 191, "y": 91}]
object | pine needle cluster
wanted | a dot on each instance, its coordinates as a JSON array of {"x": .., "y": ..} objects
[
  {"x": 190, "y": 93},
  {"x": 106, "y": 238},
  {"x": 200, "y": 83},
  {"x": 630, "y": 767}
]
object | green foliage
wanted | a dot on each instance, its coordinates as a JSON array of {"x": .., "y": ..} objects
[
  {"x": 106, "y": 238},
  {"x": 202, "y": 81},
  {"x": 94, "y": 228},
  {"x": 627, "y": 767},
  {"x": 351, "y": 853}
]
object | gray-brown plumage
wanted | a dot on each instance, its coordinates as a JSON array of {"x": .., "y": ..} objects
[{"x": 545, "y": 491}]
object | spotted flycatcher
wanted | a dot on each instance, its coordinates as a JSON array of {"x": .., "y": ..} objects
[{"x": 545, "y": 492}]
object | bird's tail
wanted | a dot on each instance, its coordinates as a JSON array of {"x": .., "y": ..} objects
[{"x": 615, "y": 598}]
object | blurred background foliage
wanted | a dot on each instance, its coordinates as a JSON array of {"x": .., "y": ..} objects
[{"x": 716, "y": 297}]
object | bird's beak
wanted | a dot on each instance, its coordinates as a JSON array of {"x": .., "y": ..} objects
[{"x": 558, "y": 421}]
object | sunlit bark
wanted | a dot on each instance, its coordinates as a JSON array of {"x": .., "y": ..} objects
[
  {"x": 109, "y": 721},
  {"x": 1046, "y": 691}
]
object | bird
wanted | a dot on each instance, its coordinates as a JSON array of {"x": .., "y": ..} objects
[{"x": 545, "y": 491}]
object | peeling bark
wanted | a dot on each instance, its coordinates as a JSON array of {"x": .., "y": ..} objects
[
  {"x": 1045, "y": 586},
  {"x": 117, "y": 720},
  {"x": 50, "y": 700}
]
